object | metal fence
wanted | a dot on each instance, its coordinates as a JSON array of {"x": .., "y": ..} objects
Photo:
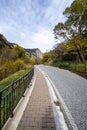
[{"x": 10, "y": 96}]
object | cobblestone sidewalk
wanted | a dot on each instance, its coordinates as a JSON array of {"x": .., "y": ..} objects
[{"x": 38, "y": 114}]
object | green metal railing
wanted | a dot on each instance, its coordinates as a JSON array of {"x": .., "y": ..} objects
[{"x": 10, "y": 96}]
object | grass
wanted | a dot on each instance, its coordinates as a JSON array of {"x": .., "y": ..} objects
[
  {"x": 78, "y": 68},
  {"x": 5, "y": 82},
  {"x": 57, "y": 103}
]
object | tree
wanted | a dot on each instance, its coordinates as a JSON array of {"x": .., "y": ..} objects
[
  {"x": 32, "y": 60},
  {"x": 58, "y": 51},
  {"x": 75, "y": 27},
  {"x": 20, "y": 51},
  {"x": 47, "y": 57},
  {"x": 5, "y": 54}
]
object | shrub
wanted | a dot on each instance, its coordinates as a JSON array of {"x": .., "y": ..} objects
[
  {"x": 26, "y": 60},
  {"x": 32, "y": 60},
  {"x": 11, "y": 67},
  {"x": 18, "y": 65},
  {"x": 69, "y": 57},
  {"x": 64, "y": 65}
]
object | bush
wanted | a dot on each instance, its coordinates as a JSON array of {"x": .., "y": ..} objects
[
  {"x": 32, "y": 60},
  {"x": 69, "y": 57},
  {"x": 18, "y": 65},
  {"x": 64, "y": 65},
  {"x": 26, "y": 60},
  {"x": 2, "y": 73},
  {"x": 11, "y": 67}
]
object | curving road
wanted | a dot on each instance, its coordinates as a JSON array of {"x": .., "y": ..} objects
[{"x": 73, "y": 90}]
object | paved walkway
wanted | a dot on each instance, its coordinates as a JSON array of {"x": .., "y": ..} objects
[{"x": 38, "y": 114}]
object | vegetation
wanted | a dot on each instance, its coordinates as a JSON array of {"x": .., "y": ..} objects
[
  {"x": 33, "y": 60},
  {"x": 5, "y": 82},
  {"x": 47, "y": 58},
  {"x": 20, "y": 52},
  {"x": 74, "y": 30},
  {"x": 14, "y": 64},
  {"x": 71, "y": 51},
  {"x": 13, "y": 58},
  {"x": 4, "y": 42},
  {"x": 79, "y": 67},
  {"x": 11, "y": 67}
]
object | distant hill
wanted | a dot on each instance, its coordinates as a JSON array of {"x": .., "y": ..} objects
[
  {"x": 4, "y": 42},
  {"x": 36, "y": 53}
]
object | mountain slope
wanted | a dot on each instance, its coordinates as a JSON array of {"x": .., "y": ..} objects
[{"x": 4, "y": 42}]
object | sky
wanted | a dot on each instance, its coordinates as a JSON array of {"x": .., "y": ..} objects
[{"x": 30, "y": 23}]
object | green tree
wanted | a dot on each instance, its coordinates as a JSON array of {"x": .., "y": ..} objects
[
  {"x": 32, "y": 60},
  {"x": 75, "y": 27},
  {"x": 58, "y": 51},
  {"x": 47, "y": 57},
  {"x": 20, "y": 51}
]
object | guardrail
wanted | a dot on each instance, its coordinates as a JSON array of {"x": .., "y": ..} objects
[{"x": 10, "y": 96}]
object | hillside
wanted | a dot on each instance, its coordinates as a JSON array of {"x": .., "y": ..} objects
[
  {"x": 4, "y": 42},
  {"x": 7, "y": 47}
]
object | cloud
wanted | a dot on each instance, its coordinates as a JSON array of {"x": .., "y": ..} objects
[
  {"x": 30, "y": 22},
  {"x": 54, "y": 13},
  {"x": 43, "y": 38}
]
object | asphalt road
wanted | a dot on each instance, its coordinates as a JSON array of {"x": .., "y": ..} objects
[{"x": 73, "y": 90}]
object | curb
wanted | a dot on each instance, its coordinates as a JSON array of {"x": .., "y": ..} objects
[{"x": 67, "y": 115}]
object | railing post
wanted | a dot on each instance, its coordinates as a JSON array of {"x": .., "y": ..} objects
[
  {"x": 0, "y": 110},
  {"x": 12, "y": 100},
  {"x": 23, "y": 87},
  {"x": 85, "y": 68}
]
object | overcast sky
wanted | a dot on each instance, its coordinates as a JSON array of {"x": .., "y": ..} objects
[{"x": 30, "y": 23}]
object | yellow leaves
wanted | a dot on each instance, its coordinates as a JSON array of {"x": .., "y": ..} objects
[
  {"x": 20, "y": 51},
  {"x": 32, "y": 60},
  {"x": 11, "y": 67},
  {"x": 18, "y": 64}
]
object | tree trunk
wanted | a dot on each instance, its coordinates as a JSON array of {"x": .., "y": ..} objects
[
  {"x": 80, "y": 53},
  {"x": 81, "y": 56}
]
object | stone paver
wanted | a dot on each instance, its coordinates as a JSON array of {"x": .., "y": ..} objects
[{"x": 38, "y": 114}]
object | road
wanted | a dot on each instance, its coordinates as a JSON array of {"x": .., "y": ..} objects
[{"x": 73, "y": 90}]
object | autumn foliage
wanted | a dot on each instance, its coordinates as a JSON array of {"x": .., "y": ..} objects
[{"x": 11, "y": 67}]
